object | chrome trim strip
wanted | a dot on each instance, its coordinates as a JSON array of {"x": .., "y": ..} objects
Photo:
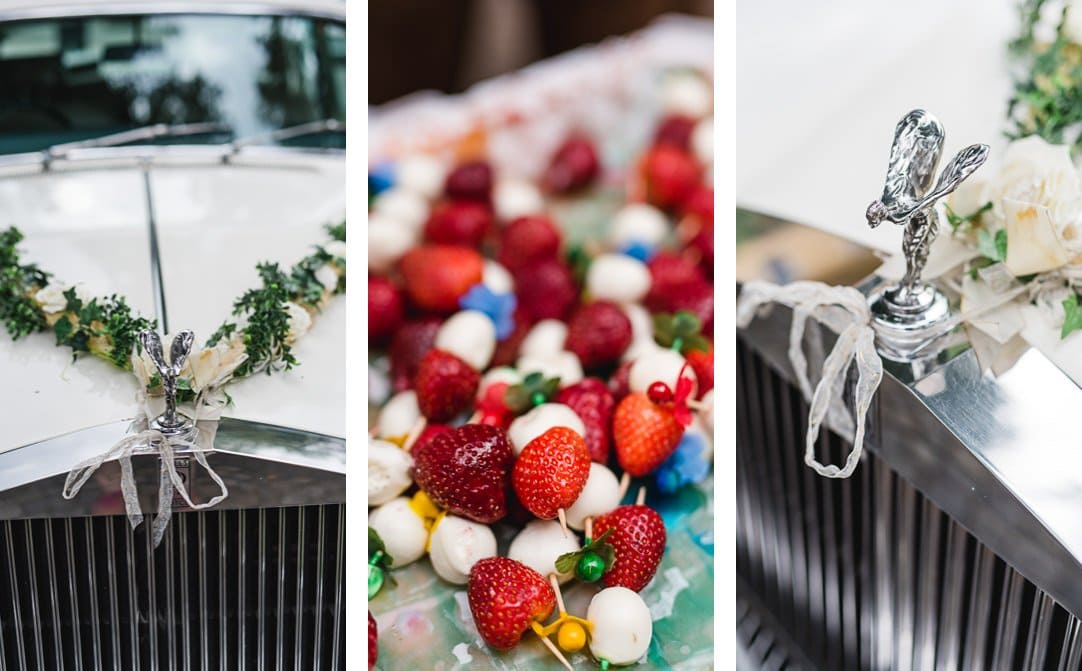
[
  {"x": 340, "y": 586},
  {"x": 262, "y": 595},
  {"x": 242, "y": 612},
  {"x": 298, "y": 625},
  {"x": 168, "y": 542},
  {"x": 212, "y": 154},
  {"x": 204, "y": 597},
  {"x": 320, "y": 544},
  {"x": 157, "y": 282},
  {"x": 280, "y": 609},
  {"x": 223, "y": 643},
  {"x": 225, "y": 7},
  {"x": 15, "y": 605},
  {"x": 73, "y": 587},
  {"x": 133, "y": 604},
  {"x": 152, "y": 609},
  {"x": 54, "y": 596},
  {"x": 35, "y": 608}
]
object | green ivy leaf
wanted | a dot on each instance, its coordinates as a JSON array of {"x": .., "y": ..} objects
[
  {"x": 63, "y": 328},
  {"x": 1072, "y": 317}
]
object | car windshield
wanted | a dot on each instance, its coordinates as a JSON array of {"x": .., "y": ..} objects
[{"x": 69, "y": 79}]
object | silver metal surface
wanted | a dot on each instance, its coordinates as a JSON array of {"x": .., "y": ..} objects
[
  {"x": 40, "y": 10},
  {"x": 169, "y": 423},
  {"x": 910, "y": 313}
]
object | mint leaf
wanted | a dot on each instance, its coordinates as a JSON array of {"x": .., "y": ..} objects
[{"x": 1072, "y": 318}]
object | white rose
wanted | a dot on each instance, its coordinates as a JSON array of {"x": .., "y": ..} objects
[
  {"x": 52, "y": 298},
  {"x": 328, "y": 277},
  {"x": 299, "y": 320},
  {"x": 1072, "y": 23},
  {"x": 213, "y": 366},
  {"x": 336, "y": 248}
]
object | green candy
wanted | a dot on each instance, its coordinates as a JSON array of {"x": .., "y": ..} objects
[
  {"x": 590, "y": 567},
  {"x": 375, "y": 580}
]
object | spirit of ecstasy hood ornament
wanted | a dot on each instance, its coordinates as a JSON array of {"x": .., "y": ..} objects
[
  {"x": 169, "y": 423},
  {"x": 906, "y": 314}
]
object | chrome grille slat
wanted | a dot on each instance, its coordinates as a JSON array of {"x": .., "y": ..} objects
[
  {"x": 868, "y": 573},
  {"x": 91, "y": 593}
]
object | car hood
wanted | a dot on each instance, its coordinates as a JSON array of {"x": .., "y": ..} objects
[{"x": 86, "y": 221}]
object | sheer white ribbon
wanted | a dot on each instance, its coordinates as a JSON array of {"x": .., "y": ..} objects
[{"x": 845, "y": 310}]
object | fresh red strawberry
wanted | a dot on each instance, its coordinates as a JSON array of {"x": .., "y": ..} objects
[
  {"x": 703, "y": 242},
  {"x": 671, "y": 275},
  {"x": 438, "y": 275},
  {"x": 466, "y": 470},
  {"x": 573, "y": 166},
  {"x": 492, "y": 407},
  {"x": 598, "y": 333},
  {"x": 527, "y": 241},
  {"x": 592, "y": 401},
  {"x": 620, "y": 382},
  {"x": 385, "y": 309},
  {"x": 703, "y": 364},
  {"x": 409, "y": 345},
  {"x": 700, "y": 204},
  {"x": 505, "y": 597},
  {"x": 638, "y": 536},
  {"x": 373, "y": 641},
  {"x": 430, "y": 432},
  {"x": 645, "y": 434},
  {"x": 470, "y": 181},
  {"x": 697, "y": 299},
  {"x": 551, "y": 471},
  {"x": 670, "y": 175},
  {"x": 458, "y": 222},
  {"x": 445, "y": 385},
  {"x": 675, "y": 130},
  {"x": 546, "y": 290}
]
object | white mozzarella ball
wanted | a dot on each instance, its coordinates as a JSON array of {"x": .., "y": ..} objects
[
  {"x": 513, "y": 198},
  {"x": 600, "y": 495},
  {"x": 504, "y": 374},
  {"x": 661, "y": 365},
  {"x": 399, "y": 415},
  {"x": 388, "y": 240},
  {"x": 539, "y": 544},
  {"x": 638, "y": 222},
  {"x": 401, "y": 529},
  {"x": 564, "y": 365},
  {"x": 469, "y": 335},
  {"x": 622, "y": 626},
  {"x": 497, "y": 278},
  {"x": 687, "y": 93},
  {"x": 388, "y": 471},
  {"x": 421, "y": 174},
  {"x": 456, "y": 545},
  {"x": 544, "y": 338},
  {"x": 707, "y": 414},
  {"x": 618, "y": 278},
  {"x": 404, "y": 205},
  {"x": 539, "y": 420},
  {"x": 702, "y": 141}
]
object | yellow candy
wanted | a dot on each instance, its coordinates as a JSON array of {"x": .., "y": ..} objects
[{"x": 571, "y": 637}]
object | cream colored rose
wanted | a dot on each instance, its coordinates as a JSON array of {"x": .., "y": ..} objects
[
  {"x": 52, "y": 298},
  {"x": 328, "y": 277},
  {"x": 212, "y": 366},
  {"x": 336, "y": 248},
  {"x": 299, "y": 320},
  {"x": 1072, "y": 22}
]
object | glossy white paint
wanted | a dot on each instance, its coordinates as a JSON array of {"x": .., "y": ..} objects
[{"x": 85, "y": 221}]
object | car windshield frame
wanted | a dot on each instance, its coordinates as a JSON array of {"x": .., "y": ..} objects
[{"x": 298, "y": 78}]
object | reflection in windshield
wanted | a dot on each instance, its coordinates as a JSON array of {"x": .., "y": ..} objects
[{"x": 70, "y": 79}]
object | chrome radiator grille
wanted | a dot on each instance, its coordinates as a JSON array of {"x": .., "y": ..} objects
[
  {"x": 229, "y": 589},
  {"x": 867, "y": 573}
]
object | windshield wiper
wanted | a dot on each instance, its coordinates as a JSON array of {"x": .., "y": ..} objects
[
  {"x": 152, "y": 132},
  {"x": 290, "y": 132}
]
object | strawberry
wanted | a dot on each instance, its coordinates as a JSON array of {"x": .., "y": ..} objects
[
  {"x": 670, "y": 176},
  {"x": 703, "y": 242},
  {"x": 573, "y": 166},
  {"x": 466, "y": 470},
  {"x": 675, "y": 130},
  {"x": 671, "y": 275},
  {"x": 430, "y": 432},
  {"x": 438, "y": 275},
  {"x": 409, "y": 345},
  {"x": 645, "y": 434},
  {"x": 492, "y": 407},
  {"x": 373, "y": 638},
  {"x": 546, "y": 290},
  {"x": 470, "y": 181},
  {"x": 445, "y": 385},
  {"x": 700, "y": 204},
  {"x": 619, "y": 383},
  {"x": 698, "y": 299},
  {"x": 385, "y": 309},
  {"x": 592, "y": 401},
  {"x": 703, "y": 364},
  {"x": 527, "y": 241},
  {"x": 505, "y": 597},
  {"x": 638, "y": 536},
  {"x": 456, "y": 222},
  {"x": 598, "y": 333},
  {"x": 551, "y": 471}
]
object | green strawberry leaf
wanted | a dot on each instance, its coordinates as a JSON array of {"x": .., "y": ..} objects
[
  {"x": 535, "y": 389},
  {"x": 1072, "y": 317},
  {"x": 567, "y": 562},
  {"x": 679, "y": 331}
]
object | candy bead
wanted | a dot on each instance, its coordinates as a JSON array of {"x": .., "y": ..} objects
[
  {"x": 617, "y": 278},
  {"x": 469, "y": 335},
  {"x": 388, "y": 240},
  {"x": 571, "y": 637},
  {"x": 661, "y": 365},
  {"x": 399, "y": 415},
  {"x": 600, "y": 495},
  {"x": 421, "y": 174},
  {"x": 456, "y": 545},
  {"x": 388, "y": 471},
  {"x": 622, "y": 626},
  {"x": 539, "y": 420},
  {"x": 539, "y": 544},
  {"x": 590, "y": 568},
  {"x": 404, "y": 205},
  {"x": 402, "y": 531},
  {"x": 544, "y": 338},
  {"x": 516, "y": 198},
  {"x": 638, "y": 222}
]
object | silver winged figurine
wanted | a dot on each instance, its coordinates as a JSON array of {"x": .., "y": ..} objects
[
  {"x": 906, "y": 200},
  {"x": 170, "y": 422}
]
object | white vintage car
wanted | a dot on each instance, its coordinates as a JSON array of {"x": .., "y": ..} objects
[{"x": 159, "y": 151}]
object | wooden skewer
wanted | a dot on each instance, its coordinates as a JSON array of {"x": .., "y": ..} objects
[
  {"x": 555, "y": 582},
  {"x": 556, "y": 651},
  {"x": 415, "y": 433},
  {"x": 589, "y": 524},
  {"x": 641, "y": 498},
  {"x": 625, "y": 483},
  {"x": 697, "y": 405},
  {"x": 562, "y": 514},
  {"x": 475, "y": 417}
]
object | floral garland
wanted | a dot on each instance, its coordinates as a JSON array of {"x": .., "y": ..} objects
[{"x": 265, "y": 320}]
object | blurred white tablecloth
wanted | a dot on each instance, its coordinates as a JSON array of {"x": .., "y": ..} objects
[{"x": 821, "y": 85}]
